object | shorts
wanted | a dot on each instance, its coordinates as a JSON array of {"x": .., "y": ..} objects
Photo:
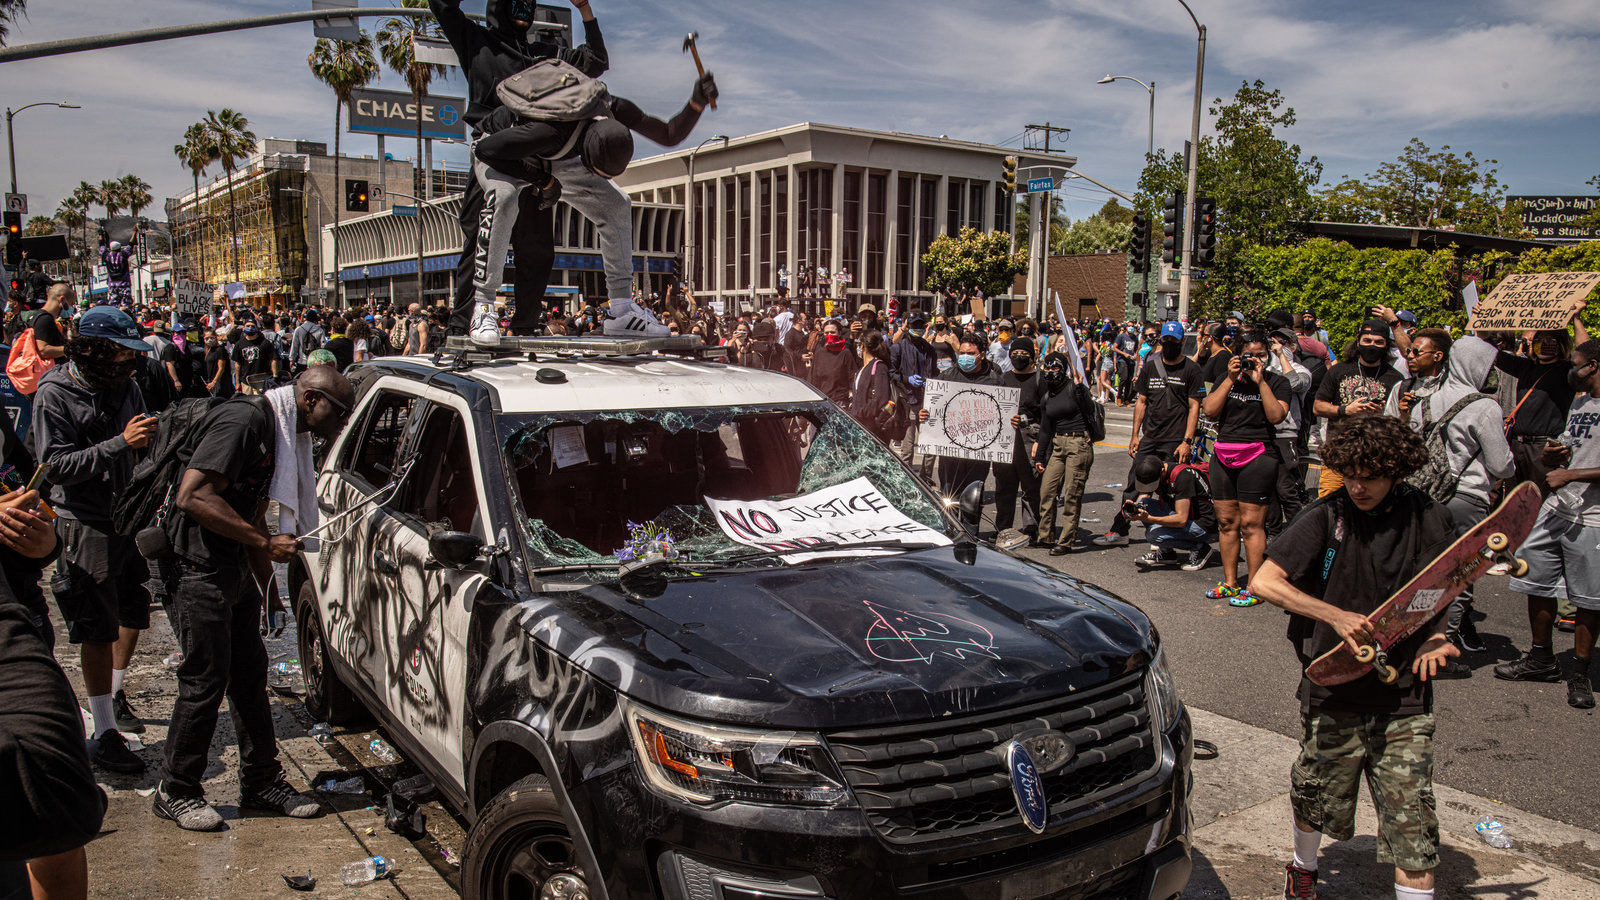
[
  {"x": 1395, "y": 753},
  {"x": 1254, "y": 482},
  {"x": 99, "y": 583},
  {"x": 1562, "y": 562}
]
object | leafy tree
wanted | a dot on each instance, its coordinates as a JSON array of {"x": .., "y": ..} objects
[
  {"x": 111, "y": 197},
  {"x": 10, "y": 11},
  {"x": 1024, "y": 224},
  {"x": 973, "y": 263},
  {"x": 1115, "y": 213},
  {"x": 342, "y": 66},
  {"x": 1427, "y": 188},
  {"x": 1092, "y": 234},
  {"x": 232, "y": 140},
  {"x": 74, "y": 214},
  {"x": 39, "y": 226},
  {"x": 195, "y": 153},
  {"x": 135, "y": 193}
]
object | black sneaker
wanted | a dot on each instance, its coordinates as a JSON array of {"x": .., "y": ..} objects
[
  {"x": 1453, "y": 668},
  {"x": 1199, "y": 558},
  {"x": 1529, "y": 668},
  {"x": 1569, "y": 624},
  {"x": 1467, "y": 635},
  {"x": 1580, "y": 695},
  {"x": 127, "y": 719},
  {"x": 280, "y": 798},
  {"x": 1298, "y": 884},
  {"x": 110, "y": 751},
  {"x": 190, "y": 813},
  {"x": 1158, "y": 556}
]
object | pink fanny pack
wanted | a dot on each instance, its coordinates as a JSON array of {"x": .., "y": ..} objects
[{"x": 1236, "y": 456}]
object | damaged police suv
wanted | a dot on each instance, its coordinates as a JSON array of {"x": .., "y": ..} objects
[{"x": 661, "y": 627}]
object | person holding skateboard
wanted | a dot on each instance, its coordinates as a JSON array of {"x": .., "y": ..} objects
[{"x": 1331, "y": 567}]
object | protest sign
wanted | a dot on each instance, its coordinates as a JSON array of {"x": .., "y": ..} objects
[
  {"x": 851, "y": 513},
  {"x": 968, "y": 421},
  {"x": 1545, "y": 301},
  {"x": 191, "y": 297}
]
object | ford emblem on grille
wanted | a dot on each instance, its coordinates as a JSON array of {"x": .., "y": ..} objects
[{"x": 1028, "y": 787}]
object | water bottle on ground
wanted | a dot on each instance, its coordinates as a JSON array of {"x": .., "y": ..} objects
[
  {"x": 174, "y": 659},
  {"x": 285, "y": 669},
  {"x": 381, "y": 749},
  {"x": 1493, "y": 833},
  {"x": 363, "y": 870},
  {"x": 321, "y": 732}
]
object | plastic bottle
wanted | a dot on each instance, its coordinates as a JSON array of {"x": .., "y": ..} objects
[
  {"x": 1493, "y": 833},
  {"x": 363, "y": 870},
  {"x": 321, "y": 732},
  {"x": 285, "y": 669},
  {"x": 383, "y": 751},
  {"x": 174, "y": 659}
]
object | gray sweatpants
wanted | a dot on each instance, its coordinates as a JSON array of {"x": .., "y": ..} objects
[
  {"x": 1467, "y": 511},
  {"x": 598, "y": 199}
]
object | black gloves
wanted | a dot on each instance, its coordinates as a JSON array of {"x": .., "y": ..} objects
[
  {"x": 548, "y": 193},
  {"x": 705, "y": 91}
]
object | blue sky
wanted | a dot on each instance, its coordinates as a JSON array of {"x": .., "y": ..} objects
[{"x": 1508, "y": 80}]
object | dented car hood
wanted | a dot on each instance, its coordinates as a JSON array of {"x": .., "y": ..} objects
[{"x": 853, "y": 642}]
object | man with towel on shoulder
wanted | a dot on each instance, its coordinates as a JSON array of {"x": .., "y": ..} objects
[{"x": 246, "y": 452}]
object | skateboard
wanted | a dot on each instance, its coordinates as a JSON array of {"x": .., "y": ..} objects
[{"x": 1439, "y": 582}]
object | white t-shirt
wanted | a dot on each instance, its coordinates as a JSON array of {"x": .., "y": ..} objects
[{"x": 1580, "y": 501}]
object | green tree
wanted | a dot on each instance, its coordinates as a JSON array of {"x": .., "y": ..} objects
[
  {"x": 196, "y": 153},
  {"x": 1092, "y": 234},
  {"x": 74, "y": 214},
  {"x": 1024, "y": 223},
  {"x": 1115, "y": 213},
  {"x": 39, "y": 226},
  {"x": 232, "y": 139},
  {"x": 973, "y": 263},
  {"x": 135, "y": 193},
  {"x": 1427, "y": 188},
  {"x": 111, "y": 197},
  {"x": 342, "y": 66}
]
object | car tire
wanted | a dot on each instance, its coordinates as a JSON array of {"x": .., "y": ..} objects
[
  {"x": 326, "y": 696},
  {"x": 521, "y": 840}
]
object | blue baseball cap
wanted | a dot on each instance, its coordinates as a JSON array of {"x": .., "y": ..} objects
[
  {"x": 1172, "y": 330},
  {"x": 111, "y": 324}
]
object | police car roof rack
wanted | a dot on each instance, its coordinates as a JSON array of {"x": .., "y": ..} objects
[{"x": 466, "y": 353}]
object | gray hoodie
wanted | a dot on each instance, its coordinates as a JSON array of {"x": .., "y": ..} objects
[
  {"x": 1475, "y": 439},
  {"x": 78, "y": 431}
]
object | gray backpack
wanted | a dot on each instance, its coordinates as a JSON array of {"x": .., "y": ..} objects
[
  {"x": 551, "y": 90},
  {"x": 1435, "y": 478}
]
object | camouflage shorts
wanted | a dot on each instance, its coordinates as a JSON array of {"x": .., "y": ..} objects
[{"x": 1395, "y": 753}]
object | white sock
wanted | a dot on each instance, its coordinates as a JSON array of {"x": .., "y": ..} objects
[
  {"x": 1305, "y": 848},
  {"x": 1405, "y": 893},
  {"x": 104, "y": 718},
  {"x": 116, "y": 679}
]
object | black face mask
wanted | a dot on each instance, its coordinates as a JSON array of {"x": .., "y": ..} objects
[
  {"x": 1575, "y": 380},
  {"x": 107, "y": 375},
  {"x": 1055, "y": 378},
  {"x": 1372, "y": 355},
  {"x": 1171, "y": 352},
  {"x": 1020, "y": 361}
]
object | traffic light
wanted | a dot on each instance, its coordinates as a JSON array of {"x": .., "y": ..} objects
[
  {"x": 1011, "y": 174},
  {"x": 1172, "y": 229},
  {"x": 13, "y": 238},
  {"x": 1205, "y": 231},
  {"x": 1139, "y": 246},
  {"x": 355, "y": 195}
]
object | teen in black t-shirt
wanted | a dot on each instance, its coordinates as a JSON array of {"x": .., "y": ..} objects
[{"x": 219, "y": 370}]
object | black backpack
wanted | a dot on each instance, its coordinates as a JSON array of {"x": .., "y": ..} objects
[{"x": 154, "y": 485}]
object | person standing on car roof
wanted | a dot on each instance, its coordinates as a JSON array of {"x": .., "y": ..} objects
[{"x": 224, "y": 555}]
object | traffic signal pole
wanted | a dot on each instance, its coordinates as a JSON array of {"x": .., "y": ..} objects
[{"x": 1194, "y": 162}]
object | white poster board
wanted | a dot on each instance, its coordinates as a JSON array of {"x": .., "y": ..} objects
[
  {"x": 968, "y": 421},
  {"x": 851, "y": 513},
  {"x": 191, "y": 297}
]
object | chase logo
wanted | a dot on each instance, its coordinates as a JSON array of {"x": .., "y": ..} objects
[{"x": 1028, "y": 787}]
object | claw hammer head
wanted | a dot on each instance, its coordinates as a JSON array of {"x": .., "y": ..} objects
[{"x": 689, "y": 47}]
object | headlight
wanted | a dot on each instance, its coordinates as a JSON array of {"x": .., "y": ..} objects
[
  {"x": 1163, "y": 691},
  {"x": 706, "y": 764}
]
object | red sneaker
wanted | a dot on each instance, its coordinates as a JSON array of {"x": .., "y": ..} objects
[{"x": 1298, "y": 883}]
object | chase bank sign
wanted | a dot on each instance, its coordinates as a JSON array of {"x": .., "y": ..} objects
[{"x": 394, "y": 112}]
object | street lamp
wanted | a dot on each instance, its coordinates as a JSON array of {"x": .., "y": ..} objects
[
  {"x": 318, "y": 201},
  {"x": 1149, "y": 154},
  {"x": 1194, "y": 161},
  {"x": 11, "y": 143},
  {"x": 688, "y": 210}
]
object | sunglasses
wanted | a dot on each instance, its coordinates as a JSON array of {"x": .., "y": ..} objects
[{"x": 341, "y": 409}]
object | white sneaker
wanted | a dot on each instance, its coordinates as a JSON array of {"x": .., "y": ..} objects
[
  {"x": 485, "y": 329},
  {"x": 637, "y": 322}
]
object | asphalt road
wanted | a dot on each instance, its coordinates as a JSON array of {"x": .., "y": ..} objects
[{"x": 1513, "y": 742}]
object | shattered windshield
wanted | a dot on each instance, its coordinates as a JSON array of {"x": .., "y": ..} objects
[{"x": 719, "y": 482}]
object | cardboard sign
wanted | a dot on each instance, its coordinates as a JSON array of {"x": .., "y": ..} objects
[
  {"x": 191, "y": 298},
  {"x": 968, "y": 421},
  {"x": 1542, "y": 302},
  {"x": 854, "y": 512}
]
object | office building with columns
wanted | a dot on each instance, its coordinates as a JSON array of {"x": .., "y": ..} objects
[{"x": 867, "y": 202}]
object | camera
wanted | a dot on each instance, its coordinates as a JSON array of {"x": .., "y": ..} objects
[
  {"x": 1249, "y": 364},
  {"x": 1130, "y": 509}
]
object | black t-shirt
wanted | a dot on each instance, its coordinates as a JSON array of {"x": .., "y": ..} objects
[
  {"x": 1215, "y": 367},
  {"x": 46, "y": 330},
  {"x": 1166, "y": 411},
  {"x": 254, "y": 359},
  {"x": 219, "y": 355},
  {"x": 1191, "y": 485},
  {"x": 1348, "y": 382},
  {"x": 190, "y": 365},
  {"x": 344, "y": 350},
  {"x": 1377, "y": 554},
  {"x": 1059, "y": 413},
  {"x": 1244, "y": 418},
  {"x": 237, "y": 442},
  {"x": 1544, "y": 413}
]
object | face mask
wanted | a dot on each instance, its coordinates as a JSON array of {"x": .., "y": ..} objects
[
  {"x": 107, "y": 375},
  {"x": 966, "y": 362},
  {"x": 1547, "y": 351},
  {"x": 1055, "y": 377},
  {"x": 1005, "y": 336},
  {"x": 1576, "y": 380},
  {"x": 1233, "y": 331},
  {"x": 832, "y": 343},
  {"x": 1372, "y": 355},
  {"x": 1021, "y": 361},
  {"x": 1171, "y": 352}
]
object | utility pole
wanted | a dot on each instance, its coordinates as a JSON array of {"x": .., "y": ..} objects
[{"x": 1043, "y": 281}]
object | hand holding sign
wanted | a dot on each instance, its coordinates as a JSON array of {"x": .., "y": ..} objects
[{"x": 1545, "y": 301}]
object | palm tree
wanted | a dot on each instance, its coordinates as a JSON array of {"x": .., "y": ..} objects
[
  {"x": 343, "y": 66},
  {"x": 73, "y": 212},
  {"x": 231, "y": 140},
  {"x": 136, "y": 193},
  {"x": 397, "y": 43},
  {"x": 110, "y": 192},
  {"x": 86, "y": 195},
  {"x": 10, "y": 11},
  {"x": 195, "y": 153}
]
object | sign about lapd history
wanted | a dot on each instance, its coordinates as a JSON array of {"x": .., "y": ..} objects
[
  {"x": 1546, "y": 301},
  {"x": 968, "y": 421}
]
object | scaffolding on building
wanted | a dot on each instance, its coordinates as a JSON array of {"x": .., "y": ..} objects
[{"x": 267, "y": 223}]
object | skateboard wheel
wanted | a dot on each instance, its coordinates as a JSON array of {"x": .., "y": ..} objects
[
  {"x": 1366, "y": 653},
  {"x": 1497, "y": 542},
  {"x": 1519, "y": 567},
  {"x": 1387, "y": 674}
]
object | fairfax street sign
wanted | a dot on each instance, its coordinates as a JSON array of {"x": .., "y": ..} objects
[{"x": 1041, "y": 185}]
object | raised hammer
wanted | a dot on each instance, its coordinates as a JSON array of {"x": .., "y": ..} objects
[{"x": 689, "y": 47}]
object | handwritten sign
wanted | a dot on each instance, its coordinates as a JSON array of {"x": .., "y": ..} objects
[
  {"x": 191, "y": 298},
  {"x": 1543, "y": 302},
  {"x": 968, "y": 421},
  {"x": 853, "y": 513}
]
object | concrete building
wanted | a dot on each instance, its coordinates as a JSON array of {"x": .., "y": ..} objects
[{"x": 865, "y": 201}]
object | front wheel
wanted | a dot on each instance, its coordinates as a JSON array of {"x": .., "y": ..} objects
[
  {"x": 326, "y": 696},
  {"x": 522, "y": 848}
]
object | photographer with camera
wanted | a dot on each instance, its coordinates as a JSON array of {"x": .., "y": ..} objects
[{"x": 1174, "y": 503}]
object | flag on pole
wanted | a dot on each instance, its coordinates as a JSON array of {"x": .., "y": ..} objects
[
  {"x": 1074, "y": 355},
  {"x": 1469, "y": 297}
]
